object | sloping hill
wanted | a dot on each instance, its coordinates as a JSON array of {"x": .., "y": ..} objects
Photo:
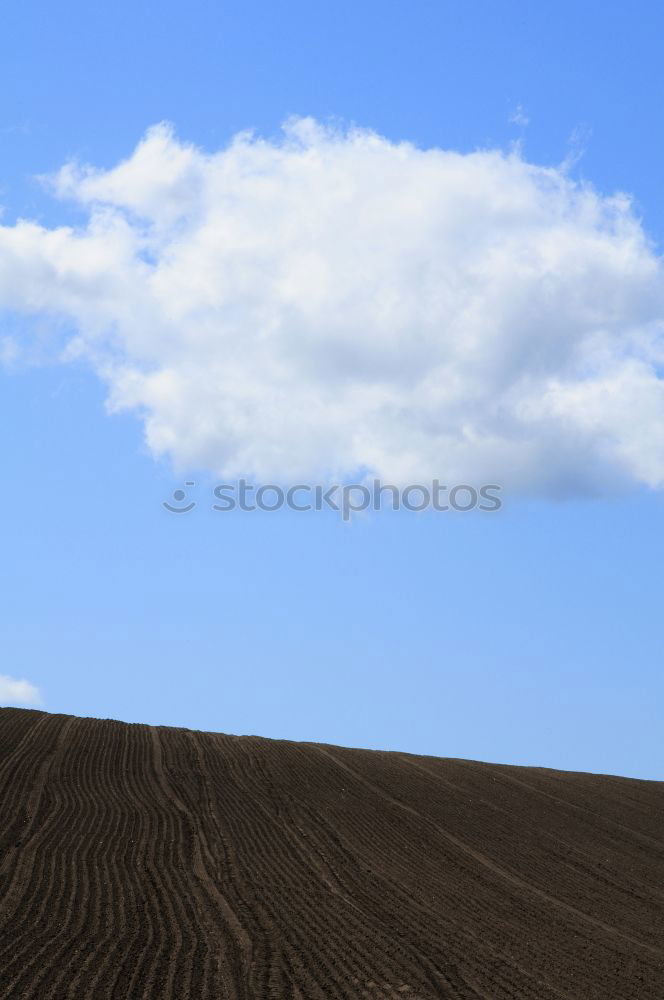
[{"x": 140, "y": 862}]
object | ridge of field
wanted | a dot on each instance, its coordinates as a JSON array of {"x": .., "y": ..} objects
[{"x": 148, "y": 863}]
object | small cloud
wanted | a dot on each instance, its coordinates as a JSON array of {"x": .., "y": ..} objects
[
  {"x": 22, "y": 128},
  {"x": 8, "y": 352},
  {"x": 18, "y": 692},
  {"x": 519, "y": 116},
  {"x": 577, "y": 144}
]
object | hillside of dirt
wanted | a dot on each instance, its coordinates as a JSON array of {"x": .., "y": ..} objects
[{"x": 142, "y": 862}]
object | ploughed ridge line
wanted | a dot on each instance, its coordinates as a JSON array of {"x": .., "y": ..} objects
[{"x": 140, "y": 862}]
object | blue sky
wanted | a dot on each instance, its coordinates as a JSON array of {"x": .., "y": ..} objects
[{"x": 531, "y": 636}]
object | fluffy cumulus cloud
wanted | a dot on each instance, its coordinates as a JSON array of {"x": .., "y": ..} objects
[
  {"x": 331, "y": 304},
  {"x": 13, "y": 692}
]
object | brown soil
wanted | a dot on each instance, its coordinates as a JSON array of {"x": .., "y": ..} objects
[{"x": 140, "y": 862}]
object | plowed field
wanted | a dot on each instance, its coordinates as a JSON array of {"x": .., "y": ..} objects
[{"x": 141, "y": 862}]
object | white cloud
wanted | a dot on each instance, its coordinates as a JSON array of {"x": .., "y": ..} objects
[
  {"x": 519, "y": 116},
  {"x": 8, "y": 351},
  {"x": 14, "y": 692},
  {"x": 331, "y": 302}
]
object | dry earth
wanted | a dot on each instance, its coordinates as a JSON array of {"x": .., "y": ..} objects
[{"x": 141, "y": 862}]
